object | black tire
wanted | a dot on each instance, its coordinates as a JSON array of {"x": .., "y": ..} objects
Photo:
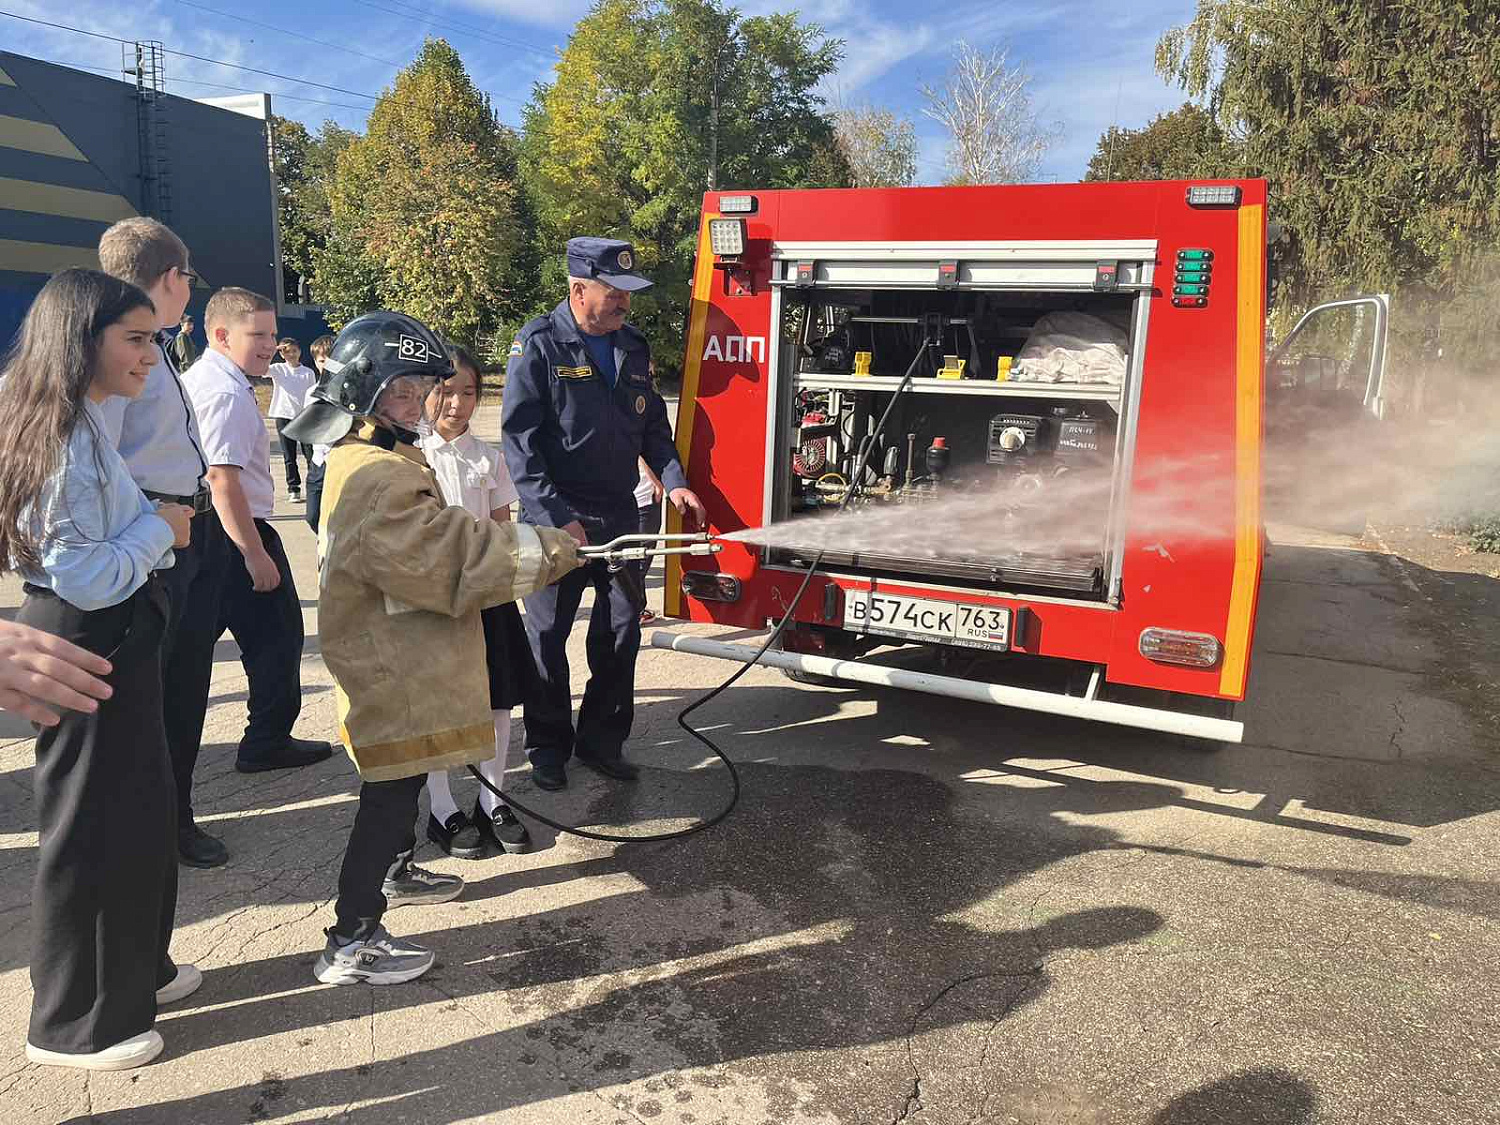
[{"x": 812, "y": 679}]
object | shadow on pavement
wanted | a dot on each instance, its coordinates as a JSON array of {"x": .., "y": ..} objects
[{"x": 1264, "y": 1096}]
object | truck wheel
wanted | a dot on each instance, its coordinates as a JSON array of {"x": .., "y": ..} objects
[
  {"x": 796, "y": 675},
  {"x": 839, "y": 648}
]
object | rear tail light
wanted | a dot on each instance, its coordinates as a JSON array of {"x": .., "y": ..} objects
[
  {"x": 707, "y": 586},
  {"x": 1173, "y": 646}
]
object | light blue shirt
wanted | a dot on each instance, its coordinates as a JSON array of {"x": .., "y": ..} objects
[
  {"x": 157, "y": 434},
  {"x": 100, "y": 538}
]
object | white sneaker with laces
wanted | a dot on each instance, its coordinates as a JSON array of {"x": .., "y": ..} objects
[
  {"x": 128, "y": 1054},
  {"x": 379, "y": 959},
  {"x": 183, "y": 985}
]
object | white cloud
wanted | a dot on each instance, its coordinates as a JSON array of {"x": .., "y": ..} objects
[{"x": 872, "y": 51}]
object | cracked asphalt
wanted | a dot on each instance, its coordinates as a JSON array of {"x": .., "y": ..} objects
[{"x": 922, "y": 910}]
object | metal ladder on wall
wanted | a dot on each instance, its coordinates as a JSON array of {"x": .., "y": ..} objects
[{"x": 145, "y": 62}]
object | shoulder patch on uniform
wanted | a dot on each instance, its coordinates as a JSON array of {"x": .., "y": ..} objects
[{"x": 515, "y": 346}]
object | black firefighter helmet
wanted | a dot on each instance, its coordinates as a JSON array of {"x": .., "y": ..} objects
[{"x": 369, "y": 353}]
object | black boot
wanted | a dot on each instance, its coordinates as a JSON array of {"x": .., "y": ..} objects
[{"x": 196, "y": 848}]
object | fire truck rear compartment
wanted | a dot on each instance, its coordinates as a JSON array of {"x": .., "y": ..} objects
[{"x": 1013, "y": 483}]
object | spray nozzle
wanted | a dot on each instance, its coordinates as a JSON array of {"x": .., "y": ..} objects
[{"x": 634, "y": 548}]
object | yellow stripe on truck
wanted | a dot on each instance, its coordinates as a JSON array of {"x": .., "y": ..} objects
[
  {"x": 1249, "y": 380},
  {"x": 703, "y": 277}
]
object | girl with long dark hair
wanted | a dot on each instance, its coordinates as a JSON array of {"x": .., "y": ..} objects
[{"x": 87, "y": 542}]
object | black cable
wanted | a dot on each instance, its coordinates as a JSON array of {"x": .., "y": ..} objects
[{"x": 855, "y": 486}]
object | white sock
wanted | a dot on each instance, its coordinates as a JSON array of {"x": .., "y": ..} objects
[
  {"x": 493, "y": 771},
  {"x": 441, "y": 796}
]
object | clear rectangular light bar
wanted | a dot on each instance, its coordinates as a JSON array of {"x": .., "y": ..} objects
[{"x": 1213, "y": 195}]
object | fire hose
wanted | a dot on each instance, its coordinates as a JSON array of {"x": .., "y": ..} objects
[{"x": 634, "y": 548}]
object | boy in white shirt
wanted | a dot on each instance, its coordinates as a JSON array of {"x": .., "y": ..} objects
[
  {"x": 290, "y": 383},
  {"x": 259, "y": 602}
]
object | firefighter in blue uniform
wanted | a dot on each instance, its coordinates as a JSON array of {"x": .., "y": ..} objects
[{"x": 579, "y": 410}]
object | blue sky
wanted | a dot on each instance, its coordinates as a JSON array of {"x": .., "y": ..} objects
[{"x": 1091, "y": 63}]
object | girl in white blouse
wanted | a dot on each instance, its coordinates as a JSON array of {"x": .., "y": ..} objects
[
  {"x": 88, "y": 543},
  {"x": 471, "y": 474}
]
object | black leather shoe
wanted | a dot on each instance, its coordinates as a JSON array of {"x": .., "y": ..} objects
[
  {"x": 503, "y": 829},
  {"x": 292, "y": 754},
  {"x": 616, "y": 767},
  {"x": 551, "y": 778},
  {"x": 457, "y": 836},
  {"x": 196, "y": 848}
]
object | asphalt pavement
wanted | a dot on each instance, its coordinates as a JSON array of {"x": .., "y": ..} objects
[{"x": 922, "y": 910}]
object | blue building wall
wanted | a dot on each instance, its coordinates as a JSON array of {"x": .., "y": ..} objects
[{"x": 70, "y": 166}]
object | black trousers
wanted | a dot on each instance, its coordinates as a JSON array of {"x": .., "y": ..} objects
[
  {"x": 380, "y": 845},
  {"x": 268, "y": 628},
  {"x": 614, "y": 639},
  {"x": 195, "y": 587},
  {"x": 314, "y": 495},
  {"x": 289, "y": 449},
  {"x": 107, "y": 865},
  {"x": 649, "y": 522}
]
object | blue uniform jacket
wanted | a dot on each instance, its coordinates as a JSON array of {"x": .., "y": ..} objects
[{"x": 570, "y": 442}]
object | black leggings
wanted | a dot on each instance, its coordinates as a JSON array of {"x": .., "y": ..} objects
[{"x": 106, "y": 879}]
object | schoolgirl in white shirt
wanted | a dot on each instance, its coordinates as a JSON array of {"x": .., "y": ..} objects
[
  {"x": 472, "y": 475},
  {"x": 89, "y": 545}
]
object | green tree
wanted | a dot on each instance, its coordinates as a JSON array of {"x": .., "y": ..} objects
[
  {"x": 654, "y": 101},
  {"x": 423, "y": 210},
  {"x": 304, "y": 170},
  {"x": 1184, "y": 144},
  {"x": 1378, "y": 126}
]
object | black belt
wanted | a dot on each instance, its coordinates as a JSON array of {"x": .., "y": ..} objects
[{"x": 200, "y": 501}]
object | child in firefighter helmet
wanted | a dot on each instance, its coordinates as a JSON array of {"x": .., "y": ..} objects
[{"x": 403, "y": 578}]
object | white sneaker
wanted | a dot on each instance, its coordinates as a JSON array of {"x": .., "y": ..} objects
[
  {"x": 380, "y": 959},
  {"x": 183, "y": 985},
  {"x": 136, "y": 1051}
]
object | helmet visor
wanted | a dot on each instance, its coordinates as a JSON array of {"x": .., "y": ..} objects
[{"x": 402, "y": 404}]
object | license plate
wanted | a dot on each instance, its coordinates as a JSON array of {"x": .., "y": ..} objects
[{"x": 927, "y": 619}]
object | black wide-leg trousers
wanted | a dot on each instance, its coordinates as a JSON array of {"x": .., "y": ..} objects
[{"x": 107, "y": 862}]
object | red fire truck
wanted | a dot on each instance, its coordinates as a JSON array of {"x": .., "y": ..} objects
[{"x": 811, "y": 311}]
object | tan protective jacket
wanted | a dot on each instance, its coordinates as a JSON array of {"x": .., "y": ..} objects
[{"x": 403, "y": 578}]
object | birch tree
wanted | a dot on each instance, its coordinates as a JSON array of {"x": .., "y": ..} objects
[
  {"x": 879, "y": 146},
  {"x": 985, "y": 104}
]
